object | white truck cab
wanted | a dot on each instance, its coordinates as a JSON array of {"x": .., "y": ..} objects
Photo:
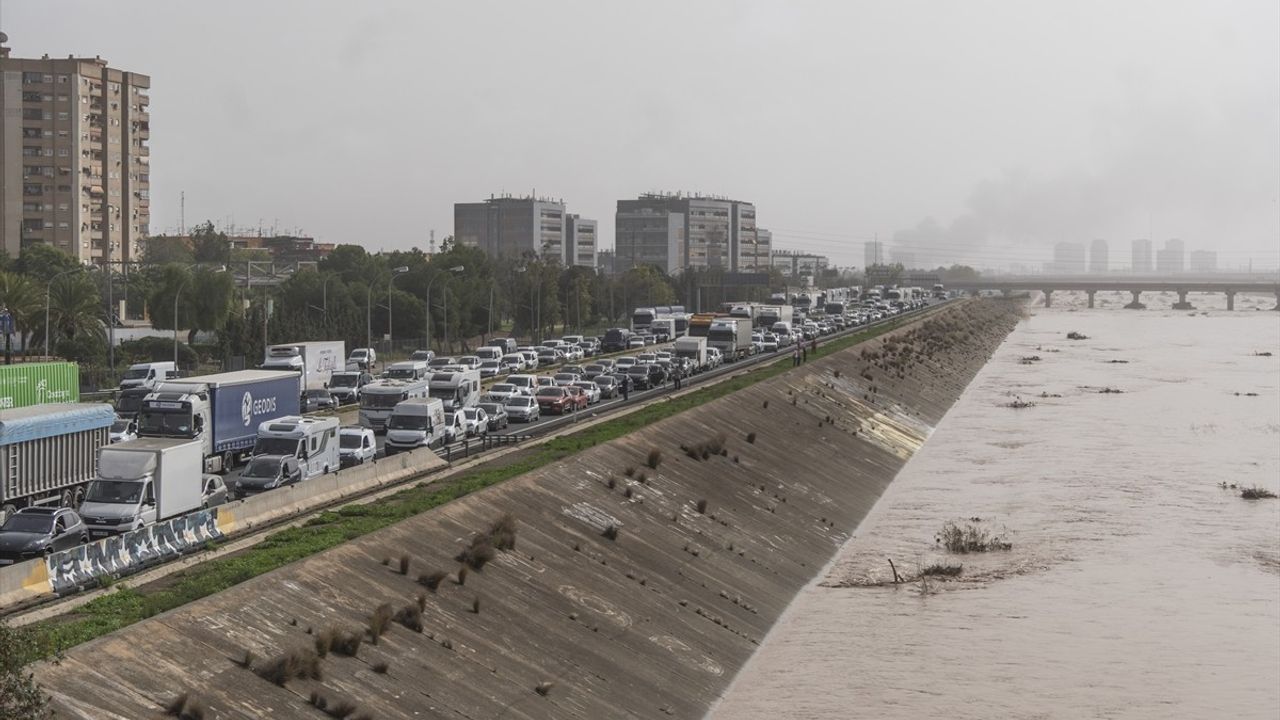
[{"x": 415, "y": 423}]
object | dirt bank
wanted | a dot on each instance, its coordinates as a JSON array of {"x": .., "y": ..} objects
[{"x": 634, "y": 591}]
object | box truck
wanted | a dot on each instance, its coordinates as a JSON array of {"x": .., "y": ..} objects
[
  {"x": 693, "y": 348},
  {"x": 316, "y": 361},
  {"x": 771, "y": 314},
  {"x": 27, "y": 384},
  {"x": 48, "y": 453},
  {"x": 732, "y": 337},
  {"x": 223, "y": 411},
  {"x": 142, "y": 482}
]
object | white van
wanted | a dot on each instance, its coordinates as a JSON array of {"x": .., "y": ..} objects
[
  {"x": 148, "y": 375},
  {"x": 378, "y": 399},
  {"x": 782, "y": 329},
  {"x": 525, "y": 384},
  {"x": 407, "y": 370},
  {"x": 312, "y": 440},
  {"x": 489, "y": 353},
  {"x": 414, "y": 424}
]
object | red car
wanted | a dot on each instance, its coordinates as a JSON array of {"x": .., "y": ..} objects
[
  {"x": 554, "y": 399},
  {"x": 580, "y": 397}
]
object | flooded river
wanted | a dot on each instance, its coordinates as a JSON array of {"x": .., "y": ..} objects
[{"x": 1137, "y": 586}]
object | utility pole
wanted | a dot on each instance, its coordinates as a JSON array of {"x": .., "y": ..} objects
[{"x": 182, "y": 213}]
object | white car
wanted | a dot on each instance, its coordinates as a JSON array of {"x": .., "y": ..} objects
[
  {"x": 471, "y": 362},
  {"x": 512, "y": 363},
  {"x": 123, "y": 430},
  {"x": 572, "y": 353},
  {"x": 455, "y": 428},
  {"x": 590, "y": 388},
  {"x": 475, "y": 421},
  {"x": 625, "y": 362},
  {"x": 356, "y": 445},
  {"x": 714, "y": 358},
  {"x": 501, "y": 392},
  {"x": 563, "y": 378}
]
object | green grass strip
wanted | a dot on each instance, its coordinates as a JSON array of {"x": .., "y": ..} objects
[{"x": 329, "y": 529}]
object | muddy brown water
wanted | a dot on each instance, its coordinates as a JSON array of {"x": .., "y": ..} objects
[{"x": 1136, "y": 587}]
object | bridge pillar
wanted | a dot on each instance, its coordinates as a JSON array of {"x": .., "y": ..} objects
[
  {"x": 1091, "y": 293},
  {"x": 1231, "y": 299},
  {"x": 1048, "y": 298},
  {"x": 1182, "y": 303},
  {"x": 1137, "y": 303}
]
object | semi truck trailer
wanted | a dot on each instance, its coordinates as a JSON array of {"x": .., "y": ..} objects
[
  {"x": 731, "y": 336},
  {"x": 49, "y": 453},
  {"x": 223, "y": 411},
  {"x": 27, "y": 384}
]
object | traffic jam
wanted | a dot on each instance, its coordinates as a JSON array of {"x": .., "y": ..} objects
[{"x": 173, "y": 445}]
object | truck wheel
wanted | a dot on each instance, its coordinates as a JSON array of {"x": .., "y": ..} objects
[
  {"x": 67, "y": 498},
  {"x": 9, "y": 509},
  {"x": 78, "y": 496}
]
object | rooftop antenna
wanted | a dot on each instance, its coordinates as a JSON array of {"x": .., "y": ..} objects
[{"x": 432, "y": 242}]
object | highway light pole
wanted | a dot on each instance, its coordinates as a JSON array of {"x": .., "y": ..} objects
[
  {"x": 432, "y": 279},
  {"x": 390, "y": 282}
]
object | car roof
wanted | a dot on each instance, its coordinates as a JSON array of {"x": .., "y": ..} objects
[{"x": 46, "y": 511}]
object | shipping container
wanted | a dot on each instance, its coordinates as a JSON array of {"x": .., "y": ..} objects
[
  {"x": 28, "y": 384},
  {"x": 48, "y": 452}
]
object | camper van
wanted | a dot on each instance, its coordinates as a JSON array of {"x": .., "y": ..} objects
[
  {"x": 407, "y": 370},
  {"x": 415, "y": 423},
  {"x": 377, "y": 400},
  {"x": 456, "y": 390},
  {"x": 312, "y": 440}
]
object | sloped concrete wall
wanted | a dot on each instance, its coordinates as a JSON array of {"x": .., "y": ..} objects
[{"x": 651, "y": 624}]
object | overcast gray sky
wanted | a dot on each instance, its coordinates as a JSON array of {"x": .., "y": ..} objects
[{"x": 980, "y": 131}]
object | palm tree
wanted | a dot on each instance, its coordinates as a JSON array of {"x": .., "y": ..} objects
[
  {"x": 75, "y": 309},
  {"x": 24, "y": 304}
]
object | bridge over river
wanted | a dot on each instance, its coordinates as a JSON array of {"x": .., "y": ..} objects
[{"x": 1229, "y": 284}]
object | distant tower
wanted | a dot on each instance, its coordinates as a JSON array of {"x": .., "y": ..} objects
[{"x": 431, "y": 244}]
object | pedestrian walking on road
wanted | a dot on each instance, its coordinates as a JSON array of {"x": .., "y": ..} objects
[
  {"x": 675, "y": 373},
  {"x": 626, "y": 388},
  {"x": 815, "y": 345},
  {"x": 804, "y": 353},
  {"x": 795, "y": 357}
]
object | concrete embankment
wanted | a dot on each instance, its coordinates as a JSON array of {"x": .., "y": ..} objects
[{"x": 632, "y": 591}]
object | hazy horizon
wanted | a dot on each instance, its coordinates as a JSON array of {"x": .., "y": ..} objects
[{"x": 981, "y": 132}]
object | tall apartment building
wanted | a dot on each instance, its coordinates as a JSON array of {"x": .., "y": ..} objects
[
  {"x": 74, "y": 157},
  {"x": 1172, "y": 259},
  {"x": 580, "y": 241},
  {"x": 1141, "y": 260},
  {"x": 1099, "y": 256},
  {"x": 755, "y": 251},
  {"x": 1204, "y": 261},
  {"x": 677, "y": 231},
  {"x": 873, "y": 253},
  {"x": 1068, "y": 259},
  {"x": 514, "y": 227}
]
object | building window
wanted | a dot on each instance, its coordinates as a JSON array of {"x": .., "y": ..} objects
[
  {"x": 64, "y": 115},
  {"x": 63, "y": 78},
  {"x": 63, "y": 152}
]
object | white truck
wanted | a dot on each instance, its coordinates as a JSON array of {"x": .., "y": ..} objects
[
  {"x": 147, "y": 375},
  {"x": 312, "y": 440},
  {"x": 694, "y": 348},
  {"x": 316, "y": 361},
  {"x": 769, "y": 315},
  {"x": 142, "y": 482},
  {"x": 456, "y": 390},
  {"x": 222, "y": 411},
  {"x": 407, "y": 370},
  {"x": 732, "y": 337},
  {"x": 378, "y": 399},
  {"x": 414, "y": 424}
]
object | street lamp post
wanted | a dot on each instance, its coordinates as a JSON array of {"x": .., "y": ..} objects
[
  {"x": 390, "y": 281},
  {"x": 432, "y": 279},
  {"x": 47, "y": 288},
  {"x": 324, "y": 289}
]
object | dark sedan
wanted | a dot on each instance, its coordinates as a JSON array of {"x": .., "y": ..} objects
[
  {"x": 38, "y": 531},
  {"x": 639, "y": 375},
  {"x": 313, "y": 400}
]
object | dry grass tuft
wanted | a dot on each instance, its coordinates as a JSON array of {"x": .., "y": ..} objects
[
  {"x": 654, "y": 459},
  {"x": 544, "y": 688},
  {"x": 702, "y": 506},
  {"x": 475, "y": 606},
  {"x": 381, "y": 668},
  {"x": 970, "y": 538},
  {"x": 462, "y": 576},
  {"x": 751, "y": 438},
  {"x": 432, "y": 579},
  {"x": 300, "y": 664},
  {"x": 410, "y": 616},
  {"x": 1256, "y": 493},
  {"x": 941, "y": 570},
  {"x": 404, "y": 564},
  {"x": 611, "y": 532},
  {"x": 478, "y": 553},
  {"x": 186, "y": 706},
  {"x": 379, "y": 620}
]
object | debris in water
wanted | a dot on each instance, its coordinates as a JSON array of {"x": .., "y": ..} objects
[{"x": 1073, "y": 335}]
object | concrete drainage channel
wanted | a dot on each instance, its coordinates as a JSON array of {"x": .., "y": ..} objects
[{"x": 40, "y": 589}]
